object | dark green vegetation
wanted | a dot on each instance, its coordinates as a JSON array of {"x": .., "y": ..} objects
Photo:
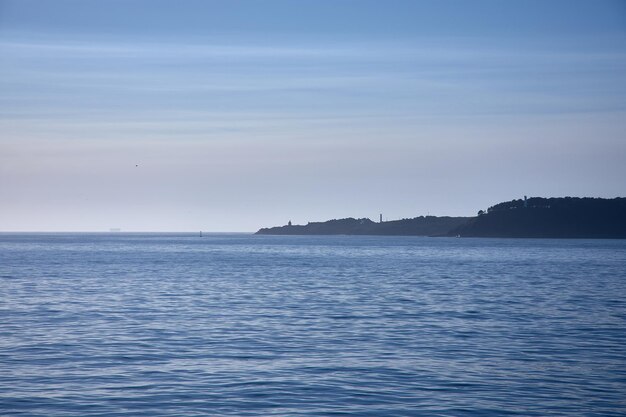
[
  {"x": 550, "y": 217},
  {"x": 533, "y": 218}
]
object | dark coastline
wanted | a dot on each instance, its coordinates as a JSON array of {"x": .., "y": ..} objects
[
  {"x": 536, "y": 217},
  {"x": 418, "y": 226}
]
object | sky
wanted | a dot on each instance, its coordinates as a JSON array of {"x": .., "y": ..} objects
[{"x": 150, "y": 115}]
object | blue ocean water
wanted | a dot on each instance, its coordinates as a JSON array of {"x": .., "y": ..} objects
[{"x": 245, "y": 325}]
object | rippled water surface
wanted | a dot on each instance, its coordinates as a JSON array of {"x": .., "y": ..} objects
[{"x": 178, "y": 325}]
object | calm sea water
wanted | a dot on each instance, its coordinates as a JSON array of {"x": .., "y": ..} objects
[{"x": 178, "y": 325}]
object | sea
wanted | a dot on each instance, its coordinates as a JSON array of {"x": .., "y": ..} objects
[{"x": 116, "y": 324}]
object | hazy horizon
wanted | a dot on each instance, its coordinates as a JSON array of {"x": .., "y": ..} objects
[
  {"x": 202, "y": 232},
  {"x": 229, "y": 116}
]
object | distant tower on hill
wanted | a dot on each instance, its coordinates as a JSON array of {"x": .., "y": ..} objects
[
  {"x": 381, "y": 217},
  {"x": 289, "y": 223},
  {"x": 525, "y": 201}
]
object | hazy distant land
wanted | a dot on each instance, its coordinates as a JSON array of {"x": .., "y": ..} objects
[{"x": 535, "y": 217}]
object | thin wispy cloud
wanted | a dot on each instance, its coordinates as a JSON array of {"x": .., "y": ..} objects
[{"x": 376, "y": 72}]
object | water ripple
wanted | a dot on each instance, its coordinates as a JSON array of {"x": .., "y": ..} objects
[{"x": 162, "y": 325}]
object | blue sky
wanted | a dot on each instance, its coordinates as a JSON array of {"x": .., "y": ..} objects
[{"x": 232, "y": 115}]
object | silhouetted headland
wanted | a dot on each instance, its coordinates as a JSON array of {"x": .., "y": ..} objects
[
  {"x": 536, "y": 217},
  {"x": 418, "y": 226}
]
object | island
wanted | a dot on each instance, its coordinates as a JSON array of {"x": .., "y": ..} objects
[{"x": 535, "y": 217}]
